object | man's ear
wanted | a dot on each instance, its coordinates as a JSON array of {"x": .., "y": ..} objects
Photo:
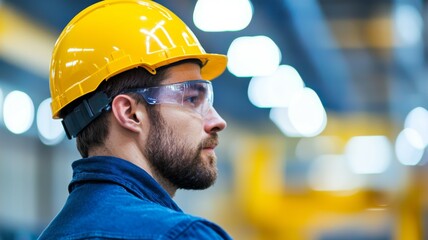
[{"x": 127, "y": 112}]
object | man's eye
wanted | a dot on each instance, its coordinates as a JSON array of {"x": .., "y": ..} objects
[{"x": 193, "y": 100}]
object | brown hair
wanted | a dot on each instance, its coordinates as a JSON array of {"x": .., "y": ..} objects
[{"x": 96, "y": 132}]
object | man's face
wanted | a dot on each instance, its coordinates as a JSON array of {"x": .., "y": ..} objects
[{"x": 180, "y": 144}]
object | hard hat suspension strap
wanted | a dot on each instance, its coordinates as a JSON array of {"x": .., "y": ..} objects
[{"x": 85, "y": 113}]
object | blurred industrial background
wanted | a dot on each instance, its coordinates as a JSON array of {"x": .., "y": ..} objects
[{"x": 325, "y": 100}]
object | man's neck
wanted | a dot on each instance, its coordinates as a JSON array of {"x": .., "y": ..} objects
[
  {"x": 166, "y": 184},
  {"x": 139, "y": 161}
]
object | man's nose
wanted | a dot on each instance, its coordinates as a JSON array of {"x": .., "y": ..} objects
[{"x": 214, "y": 122}]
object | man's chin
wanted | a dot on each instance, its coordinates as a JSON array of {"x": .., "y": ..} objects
[{"x": 209, "y": 158}]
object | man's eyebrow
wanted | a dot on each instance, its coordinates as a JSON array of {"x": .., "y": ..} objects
[{"x": 199, "y": 87}]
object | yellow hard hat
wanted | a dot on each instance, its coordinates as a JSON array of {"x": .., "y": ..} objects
[{"x": 113, "y": 36}]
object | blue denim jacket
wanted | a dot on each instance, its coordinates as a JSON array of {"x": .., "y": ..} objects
[{"x": 111, "y": 198}]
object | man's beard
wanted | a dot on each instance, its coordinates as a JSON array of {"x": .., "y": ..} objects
[{"x": 175, "y": 160}]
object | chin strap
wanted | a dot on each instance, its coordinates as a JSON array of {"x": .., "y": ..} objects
[{"x": 84, "y": 113}]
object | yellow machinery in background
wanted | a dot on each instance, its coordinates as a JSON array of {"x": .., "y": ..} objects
[{"x": 278, "y": 213}]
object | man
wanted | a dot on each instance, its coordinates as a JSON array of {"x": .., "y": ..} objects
[{"x": 130, "y": 81}]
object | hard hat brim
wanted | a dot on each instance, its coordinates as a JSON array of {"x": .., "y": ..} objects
[{"x": 213, "y": 65}]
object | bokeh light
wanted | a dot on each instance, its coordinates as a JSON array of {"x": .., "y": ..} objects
[
  {"x": 275, "y": 90},
  {"x": 409, "y": 147},
  {"x": 1, "y": 106},
  {"x": 330, "y": 173},
  {"x": 50, "y": 131},
  {"x": 417, "y": 119},
  {"x": 253, "y": 56},
  {"x": 305, "y": 117},
  {"x": 222, "y": 15},
  {"x": 408, "y": 25},
  {"x": 368, "y": 154},
  {"x": 280, "y": 117},
  {"x": 18, "y": 112},
  {"x": 307, "y": 114}
]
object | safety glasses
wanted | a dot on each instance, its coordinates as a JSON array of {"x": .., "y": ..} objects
[{"x": 196, "y": 95}]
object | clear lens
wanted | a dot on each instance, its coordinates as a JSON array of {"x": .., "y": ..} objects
[{"x": 196, "y": 95}]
